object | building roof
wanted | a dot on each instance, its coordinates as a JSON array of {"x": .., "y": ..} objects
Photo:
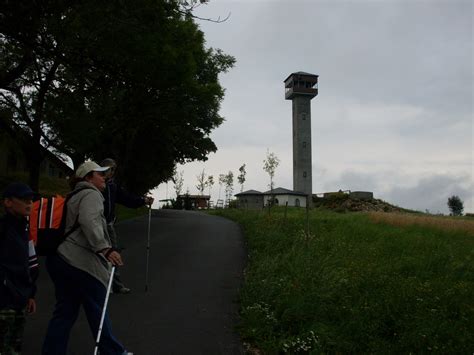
[
  {"x": 283, "y": 191},
  {"x": 249, "y": 192},
  {"x": 300, "y": 73},
  {"x": 58, "y": 161}
]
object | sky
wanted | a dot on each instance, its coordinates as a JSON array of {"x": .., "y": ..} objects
[{"x": 394, "y": 113}]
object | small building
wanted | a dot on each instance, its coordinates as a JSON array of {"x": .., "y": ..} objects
[
  {"x": 355, "y": 195},
  {"x": 253, "y": 199},
  {"x": 250, "y": 199},
  {"x": 282, "y": 196},
  {"x": 194, "y": 201},
  {"x": 12, "y": 160}
]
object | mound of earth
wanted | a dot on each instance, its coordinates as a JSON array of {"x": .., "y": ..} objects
[{"x": 343, "y": 203}]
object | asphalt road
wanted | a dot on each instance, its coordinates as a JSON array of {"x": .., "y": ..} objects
[{"x": 195, "y": 271}]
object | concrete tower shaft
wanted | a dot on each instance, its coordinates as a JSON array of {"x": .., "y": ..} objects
[{"x": 302, "y": 162}]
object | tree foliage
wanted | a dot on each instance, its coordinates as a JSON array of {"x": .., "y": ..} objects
[
  {"x": 270, "y": 164},
  {"x": 201, "y": 185},
  {"x": 178, "y": 181},
  {"x": 210, "y": 183},
  {"x": 131, "y": 80},
  {"x": 222, "y": 180},
  {"x": 229, "y": 186},
  {"x": 456, "y": 205},
  {"x": 241, "y": 177}
]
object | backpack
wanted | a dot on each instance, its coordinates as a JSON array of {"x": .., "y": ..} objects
[{"x": 48, "y": 223}]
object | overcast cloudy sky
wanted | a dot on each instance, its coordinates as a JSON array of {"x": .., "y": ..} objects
[{"x": 394, "y": 114}]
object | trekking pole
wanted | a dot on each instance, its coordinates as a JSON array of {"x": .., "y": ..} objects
[
  {"x": 148, "y": 249},
  {"x": 104, "y": 310}
]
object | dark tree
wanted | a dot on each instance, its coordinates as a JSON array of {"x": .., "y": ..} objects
[
  {"x": 28, "y": 65},
  {"x": 129, "y": 80},
  {"x": 456, "y": 205}
]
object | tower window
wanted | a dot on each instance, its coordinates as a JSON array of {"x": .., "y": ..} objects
[
  {"x": 303, "y": 116},
  {"x": 304, "y": 174},
  {"x": 304, "y": 144}
]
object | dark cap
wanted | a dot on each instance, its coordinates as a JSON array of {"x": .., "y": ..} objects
[
  {"x": 108, "y": 162},
  {"x": 19, "y": 190}
]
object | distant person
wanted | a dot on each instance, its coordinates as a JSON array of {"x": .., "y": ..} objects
[
  {"x": 113, "y": 194},
  {"x": 18, "y": 267},
  {"x": 80, "y": 269}
]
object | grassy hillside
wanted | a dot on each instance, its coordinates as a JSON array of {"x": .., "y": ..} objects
[
  {"x": 47, "y": 186},
  {"x": 355, "y": 284}
]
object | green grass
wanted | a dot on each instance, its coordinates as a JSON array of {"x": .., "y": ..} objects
[
  {"x": 124, "y": 213},
  {"x": 354, "y": 286},
  {"x": 48, "y": 186}
]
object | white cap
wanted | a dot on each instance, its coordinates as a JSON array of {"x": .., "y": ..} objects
[{"x": 88, "y": 166}]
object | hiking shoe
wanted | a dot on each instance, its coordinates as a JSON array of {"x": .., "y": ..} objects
[{"x": 123, "y": 290}]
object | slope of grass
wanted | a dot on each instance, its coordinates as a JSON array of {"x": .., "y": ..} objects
[
  {"x": 354, "y": 286},
  {"x": 124, "y": 213},
  {"x": 48, "y": 186},
  {"x": 447, "y": 223}
]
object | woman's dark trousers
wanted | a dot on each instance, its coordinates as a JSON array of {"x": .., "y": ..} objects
[{"x": 74, "y": 288}]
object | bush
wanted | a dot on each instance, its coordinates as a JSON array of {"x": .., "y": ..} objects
[{"x": 456, "y": 206}]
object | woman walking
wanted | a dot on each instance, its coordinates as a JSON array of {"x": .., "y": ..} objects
[{"x": 81, "y": 267}]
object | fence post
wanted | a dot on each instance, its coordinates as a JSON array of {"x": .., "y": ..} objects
[{"x": 307, "y": 219}]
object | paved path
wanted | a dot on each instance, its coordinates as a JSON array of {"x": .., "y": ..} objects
[{"x": 196, "y": 264}]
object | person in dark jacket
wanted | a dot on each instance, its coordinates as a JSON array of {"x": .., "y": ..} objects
[
  {"x": 113, "y": 194},
  {"x": 18, "y": 267}
]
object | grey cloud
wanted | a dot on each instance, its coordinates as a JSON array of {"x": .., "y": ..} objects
[
  {"x": 354, "y": 181},
  {"x": 432, "y": 193},
  {"x": 416, "y": 53}
]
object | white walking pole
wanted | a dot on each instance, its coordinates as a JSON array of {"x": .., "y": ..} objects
[
  {"x": 103, "y": 310},
  {"x": 148, "y": 249}
]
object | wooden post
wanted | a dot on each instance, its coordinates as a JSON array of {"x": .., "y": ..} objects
[{"x": 307, "y": 219}]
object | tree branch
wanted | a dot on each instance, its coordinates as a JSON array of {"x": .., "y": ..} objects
[
  {"x": 7, "y": 77},
  {"x": 188, "y": 13},
  {"x": 22, "y": 109},
  {"x": 188, "y": 6},
  {"x": 8, "y": 101},
  {"x": 43, "y": 90}
]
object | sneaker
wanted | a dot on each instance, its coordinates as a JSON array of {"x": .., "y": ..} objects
[{"x": 124, "y": 290}]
